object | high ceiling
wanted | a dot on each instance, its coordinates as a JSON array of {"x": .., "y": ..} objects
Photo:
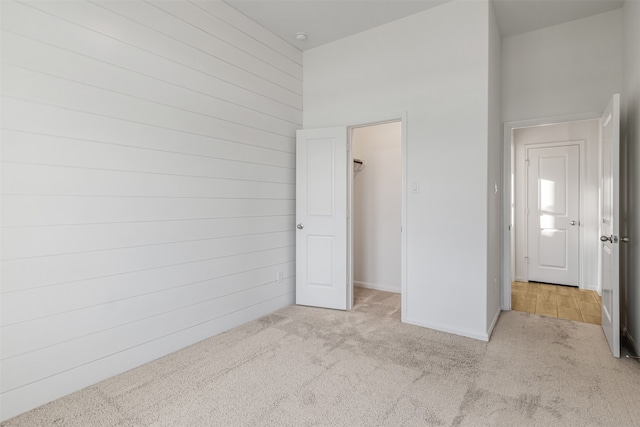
[
  {"x": 327, "y": 20},
  {"x": 521, "y": 16}
]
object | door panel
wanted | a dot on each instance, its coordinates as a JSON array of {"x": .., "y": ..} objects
[
  {"x": 320, "y": 176},
  {"x": 552, "y": 249},
  {"x": 321, "y": 217},
  {"x": 320, "y": 260},
  {"x": 553, "y": 201},
  {"x": 610, "y": 251}
]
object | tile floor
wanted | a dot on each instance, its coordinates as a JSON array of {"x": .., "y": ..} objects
[{"x": 564, "y": 302}]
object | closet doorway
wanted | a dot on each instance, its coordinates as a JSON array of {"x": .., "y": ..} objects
[
  {"x": 376, "y": 197},
  {"x": 325, "y": 213}
]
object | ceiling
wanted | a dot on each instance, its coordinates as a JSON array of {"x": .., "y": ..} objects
[
  {"x": 521, "y": 16},
  {"x": 327, "y": 20}
]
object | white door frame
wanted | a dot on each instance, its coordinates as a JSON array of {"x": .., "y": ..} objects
[
  {"x": 508, "y": 260},
  {"x": 582, "y": 179},
  {"x": 393, "y": 118}
]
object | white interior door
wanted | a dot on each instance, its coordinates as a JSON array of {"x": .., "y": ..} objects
[
  {"x": 321, "y": 217},
  {"x": 553, "y": 209},
  {"x": 610, "y": 239}
]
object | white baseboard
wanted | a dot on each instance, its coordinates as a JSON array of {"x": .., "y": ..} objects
[
  {"x": 461, "y": 332},
  {"x": 377, "y": 287},
  {"x": 493, "y": 323},
  {"x": 589, "y": 288},
  {"x": 634, "y": 345}
]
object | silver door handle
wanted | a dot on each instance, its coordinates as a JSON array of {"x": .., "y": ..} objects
[
  {"x": 606, "y": 239},
  {"x": 300, "y": 226},
  {"x": 573, "y": 223},
  {"x": 624, "y": 239}
]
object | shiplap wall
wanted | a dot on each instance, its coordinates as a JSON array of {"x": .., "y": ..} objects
[{"x": 148, "y": 173}]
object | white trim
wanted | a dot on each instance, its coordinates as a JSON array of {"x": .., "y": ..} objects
[
  {"x": 349, "y": 218},
  {"x": 404, "y": 294},
  {"x": 493, "y": 323},
  {"x": 600, "y": 202},
  {"x": 377, "y": 287},
  {"x": 389, "y": 118},
  {"x": 462, "y": 332},
  {"x": 507, "y": 135},
  {"x": 634, "y": 345}
]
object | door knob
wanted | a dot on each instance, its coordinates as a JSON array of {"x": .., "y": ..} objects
[
  {"x": 624, "y": 239},
  {"x": 573, "y": 223},
  {"x": 300, "y": 226},
  {"x": 606, "y": 239}
]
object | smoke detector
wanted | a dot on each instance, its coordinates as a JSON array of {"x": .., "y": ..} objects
[{"x": 301, "y": 37}]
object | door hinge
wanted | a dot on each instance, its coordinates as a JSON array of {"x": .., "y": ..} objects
[{"x": 526, "y": 259}]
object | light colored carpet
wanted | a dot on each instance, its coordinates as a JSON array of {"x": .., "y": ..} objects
[{"x": 305, "y": 366}]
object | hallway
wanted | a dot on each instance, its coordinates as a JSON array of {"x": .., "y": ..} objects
[{"x": 563, "y": 302}]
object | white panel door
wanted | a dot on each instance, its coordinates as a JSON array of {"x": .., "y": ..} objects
[
  {"x": 610, "y": 252},
  {"x": 321, "y": 217},
  {"x": 553, "y": 223}
]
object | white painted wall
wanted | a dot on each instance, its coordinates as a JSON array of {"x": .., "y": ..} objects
[
  {"x": 565, "y": 69},
  {"x": 494, "y": 181},
  {"x": 438, "y": 73},
  {"x": 589, "y": 132},
  {"x": 147, "y": 185},
  {"x": 377, "y": 198},
  {"x": 631, "y": 133}
]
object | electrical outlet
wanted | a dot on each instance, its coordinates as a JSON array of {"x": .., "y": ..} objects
[{"x": 279, "y": 276}]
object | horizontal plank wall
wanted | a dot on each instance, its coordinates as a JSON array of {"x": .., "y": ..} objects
[{"x": 148, "y": 177}]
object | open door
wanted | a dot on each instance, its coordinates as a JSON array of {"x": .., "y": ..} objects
[
  {"x": 321, "y": 217},
  {"x": 610, "y": 251}
]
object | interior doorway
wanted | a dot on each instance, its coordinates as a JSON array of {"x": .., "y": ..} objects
[
  {"x": 555, "y": 209},
  {"x": 606, "y": 238},
  {"x": 376, "y": 206},
  {"x": 553, "y": 141},
  {"x": 324, "y": 215},
  {"x": 376, "y": 196},
  {"x": 551, "y": 164}
]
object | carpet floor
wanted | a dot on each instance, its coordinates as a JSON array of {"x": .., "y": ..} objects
[{"x": 304, "y": 366}]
